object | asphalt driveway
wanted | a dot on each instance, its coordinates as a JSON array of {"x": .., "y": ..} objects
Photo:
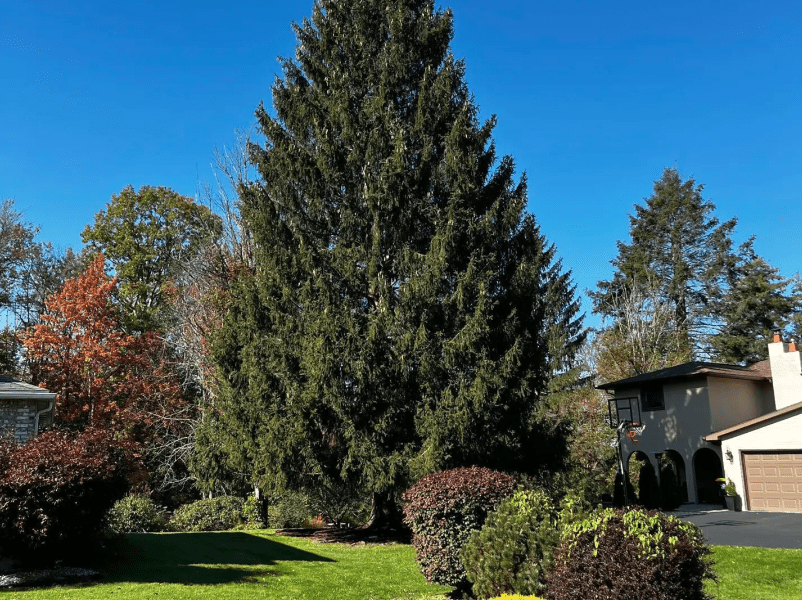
[{"x": 758, "y": 529}]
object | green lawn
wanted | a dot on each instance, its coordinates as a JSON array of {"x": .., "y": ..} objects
[
  {"x": 252, "y": 564},
  {"x": 256, "y": 564},
  {"x": 757, "y": 574}
]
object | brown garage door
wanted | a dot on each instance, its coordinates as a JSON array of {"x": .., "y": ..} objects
[{"x": 774, "y": 481}]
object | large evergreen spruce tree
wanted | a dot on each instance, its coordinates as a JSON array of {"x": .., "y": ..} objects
[
  {"x": 406, "y": 312},
  {"x": 723, "y": 304},
  {"x": 678, "y": 254}
]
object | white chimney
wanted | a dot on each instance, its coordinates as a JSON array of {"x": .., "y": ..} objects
[{"x": 786, "y": 372}]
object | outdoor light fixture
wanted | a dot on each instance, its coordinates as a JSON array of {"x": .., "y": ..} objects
[{"x": 728, "y": 454}]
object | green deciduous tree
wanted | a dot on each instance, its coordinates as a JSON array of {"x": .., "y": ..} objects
[
  {"x": 144, "y": 235},
  {"x": 405, "y": 310}
]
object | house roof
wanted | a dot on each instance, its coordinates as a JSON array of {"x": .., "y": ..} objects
[
  {"x": 717, "y": 435},
  {"x": 12, "y": 389},
  {"x": 760, "y": 371}
]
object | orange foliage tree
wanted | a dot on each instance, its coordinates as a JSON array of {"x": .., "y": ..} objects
[{"x": 103, "y": 376}]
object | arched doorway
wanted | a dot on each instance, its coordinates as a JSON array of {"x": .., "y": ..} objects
[
  {"x": 643, "y": 479},
  {"x": 707, "y": 468},
  {"x": 673, "y": 480}
]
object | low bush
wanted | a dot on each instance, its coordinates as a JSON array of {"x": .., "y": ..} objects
[
  {"x": 631, "y": 554},
  {"x": 209, "y": 514},
  {"x": 55, "y": 490},
  {"x": 443, "y": 509},
  {"x": 514, "y": 548},
  {"x": 135, "y": 514},
  {"x": 217, "y": 514},
  {"x": 291, "y": 509}
]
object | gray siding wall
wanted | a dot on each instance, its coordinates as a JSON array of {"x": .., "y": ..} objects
[{"x": 17, "y": 418}]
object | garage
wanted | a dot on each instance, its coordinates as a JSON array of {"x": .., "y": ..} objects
[
  {"x": 762, "y": 457},
  {"x": 773, "y": 480}
]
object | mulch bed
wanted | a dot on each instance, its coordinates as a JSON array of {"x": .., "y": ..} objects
[{"x": 354, "y": 535}]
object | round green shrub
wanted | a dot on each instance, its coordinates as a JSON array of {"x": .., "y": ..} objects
[
  {"x": 443, "y": 509},
  {"x": 135, "y": 514},
  {"x": 252, "y": 513},
  {"x": 291, "y": 509},
  {"x": 633, "y": 554},
  {"x": 211, "y": 514},
  {"x": 514, "y": 548}
]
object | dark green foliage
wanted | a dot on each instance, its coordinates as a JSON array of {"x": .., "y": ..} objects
[
  {"x": 406, "y": 313},
  {"x": 135, "y": 514},
  {"x": 758, "y": 301},
  {"x": 632, "y": 554},
  {"x": 670, "y": 492},
  {"x": 291, "y": 509},
  {"x": 212, "y": 514},
  {"x": 681, "y": 292},
  {"x": 252, "y": 513},
  {"x": 514, "y": 548},
  {"x": 678, "y": 249},
  {"x": 649, "y": 494},
  {"x": 56, "y": 489},
  {"x": 208, "y": 514},
  {"x": 443, "y": 509},
  {"x": 145, "y": 235}
]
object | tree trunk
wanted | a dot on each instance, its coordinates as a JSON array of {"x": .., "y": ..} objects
[{"x": 384, "y": 513}]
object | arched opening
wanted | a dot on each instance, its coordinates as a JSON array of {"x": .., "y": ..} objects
[
  {"x": 707, "y": 468},
  {"x": 673, "y": 480},
  {"x": 646, "y": 491}
]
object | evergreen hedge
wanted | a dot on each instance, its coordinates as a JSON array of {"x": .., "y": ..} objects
[
  {"x": 135, "y": 514},
  {"x": 514, "y": 548}
]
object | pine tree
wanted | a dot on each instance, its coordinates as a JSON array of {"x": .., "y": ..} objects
[
  {"x": 758, "y": 300},
  {"x": 680, "y": 250},
  {"x": 405, "y": 313}
]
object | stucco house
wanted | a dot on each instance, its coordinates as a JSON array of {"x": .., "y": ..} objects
[
  {"x": 24, "y": 409},
  {"x": 713, "y": 420}
]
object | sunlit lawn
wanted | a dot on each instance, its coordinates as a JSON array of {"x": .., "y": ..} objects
[
  {"x": 757, "y": 574},
  {"x": 245, "y": 565},
  {"x": 238, "y": 564}
]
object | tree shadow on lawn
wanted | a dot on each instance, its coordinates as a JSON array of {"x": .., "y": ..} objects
[{"x": 196, "y": 558}]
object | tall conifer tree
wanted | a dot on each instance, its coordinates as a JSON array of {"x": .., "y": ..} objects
[
  {"x": 406, "y": 313},
  {"x": 679, "y": 251},
  {"x": 758, "y": 301}
]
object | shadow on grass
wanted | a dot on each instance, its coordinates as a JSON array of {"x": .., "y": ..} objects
[{"x": 197, "y": 558}]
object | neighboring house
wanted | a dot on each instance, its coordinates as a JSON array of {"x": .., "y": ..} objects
[
  {"x": 712, "y": 420},
  {"x": 24, "y": 409}
]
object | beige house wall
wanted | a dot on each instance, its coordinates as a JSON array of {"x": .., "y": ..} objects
[
  {"x": 734, "y": 401},
  {"x": 784, "y": 433},
  {"x": 687, "y": 418}
]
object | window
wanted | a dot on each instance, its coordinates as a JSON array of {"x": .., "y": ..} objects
[{"x": 652, "y": 398}]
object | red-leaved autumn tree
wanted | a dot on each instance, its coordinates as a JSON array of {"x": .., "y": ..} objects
[{"x": 103, "y": 376}]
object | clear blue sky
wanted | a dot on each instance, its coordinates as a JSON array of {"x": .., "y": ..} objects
[{"x": 593, "y": 100}]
